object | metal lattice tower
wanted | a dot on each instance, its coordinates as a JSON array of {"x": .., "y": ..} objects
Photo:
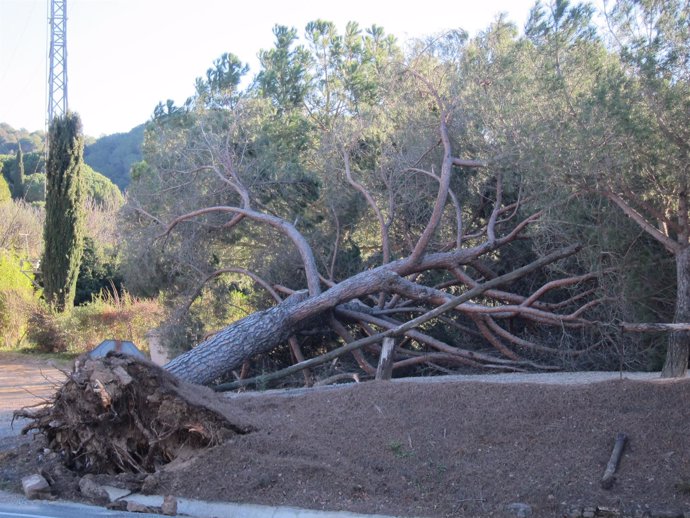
[{"x": 57, "y": 66}]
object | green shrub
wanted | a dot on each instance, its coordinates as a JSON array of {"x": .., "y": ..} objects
[
  {"x": 121, "y": 317},
  {"x": 5, "y": 194},
  {"x": 18, "y": 299}
]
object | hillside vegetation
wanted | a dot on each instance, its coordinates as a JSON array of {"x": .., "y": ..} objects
[{"x": 110, "y": 155}]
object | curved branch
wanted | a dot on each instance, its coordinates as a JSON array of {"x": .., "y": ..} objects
[
  {"x": 440, "y": 298},
  {"x": 437, "y": 344},
  {"x": 454, "y": 200},
  {"x": 638, "y": 218},
  {"x": 559, "y": 283},
  {"x": 279, "y": 224},
  {"x": 372, "y": 203},
  {"x": 424, "y": 358},
  {"x": 336, "y": 244},
  {"x": 444, "y": 180},
  {"x": 442, "y": 196},
  {"x": 342, "y": 331},
  {"x": 480, "y": 322},
  {"x": 491, "y": 225},
  {"x": 504, "y": 296},
  {"x": 520, "y": 342}
]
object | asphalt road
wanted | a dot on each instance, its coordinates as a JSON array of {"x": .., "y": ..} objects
[
  {"x": 63, "y": 510},
  {"x": 23, "y": 383}
]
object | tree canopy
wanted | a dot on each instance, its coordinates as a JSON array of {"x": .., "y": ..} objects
[{"x": 448, "y": 163}]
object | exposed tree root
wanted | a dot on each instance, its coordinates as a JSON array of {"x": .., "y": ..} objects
[{"x": 122, "y": 415}]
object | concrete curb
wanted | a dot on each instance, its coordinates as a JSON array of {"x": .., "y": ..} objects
[{"x": 201, "y": 509}]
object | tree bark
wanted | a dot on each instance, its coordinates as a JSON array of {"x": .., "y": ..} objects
[
  {"x": 612, "y": 466},
  {"x": 676, "y": 364},
  {"x": 230, "y": 347},
  {"x": 385, "y": 367},
  {"x": 628, "y": 327}
]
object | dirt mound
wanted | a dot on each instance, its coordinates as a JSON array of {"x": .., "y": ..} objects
[
  {"x": 403, "y": 449},
  {"x": 120, "y": 414}
]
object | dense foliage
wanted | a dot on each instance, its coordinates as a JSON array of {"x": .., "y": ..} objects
[
  {"x": 114, "y": 155},
  {"x": 337, "y": 133},
  {"x": 30, "y": 185},
  {"x": 111, "y": 156},
  {"x": 11, "y": 139}
]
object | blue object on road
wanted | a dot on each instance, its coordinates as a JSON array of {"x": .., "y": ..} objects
[{"x": 118, "y": 346}]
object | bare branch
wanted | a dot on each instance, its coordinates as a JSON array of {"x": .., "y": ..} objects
[
  {"x": 638, "y": 218},
  {"x": 491, "y": 225},
  {"x": 434, "y": 342},
  {"x": 279, "y": 224},
  {"x": 653, "y": 328},
  {"x": 480, "y": 322},
  {"x": 469, "y": 163},
  {"x": 559, "y": 283},
  {"x": 372, "y": 203},
  {"x": 342, "y": 331},
  {"x": 138, "y": 208},
  {"x": 401, "y": 329},
  {"x": 336, "y": 244},
  {"x": 454, "y": 200},
  {"x": 520, "y": 342}
]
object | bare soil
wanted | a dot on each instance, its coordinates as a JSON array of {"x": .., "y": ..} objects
[{"x": 427, "y": 449}]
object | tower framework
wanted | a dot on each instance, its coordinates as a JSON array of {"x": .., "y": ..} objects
[{"x": 57, "y": 66}]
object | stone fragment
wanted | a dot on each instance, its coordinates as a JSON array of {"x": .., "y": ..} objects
[
  {"x": 35, "y": 486},
  {"x": 116, "y": 493},
  {"x": 169, "y": 506},
  {"x": 118, "y": 505},
  {"x": 91, "y": 489}
]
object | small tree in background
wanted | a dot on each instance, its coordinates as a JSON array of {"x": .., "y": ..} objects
[
  {"x": 19, "y": 174},
  {"x": 64, "y": 226}
]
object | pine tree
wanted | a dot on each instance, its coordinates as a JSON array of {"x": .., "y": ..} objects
[{"x": 64, "y": 226}]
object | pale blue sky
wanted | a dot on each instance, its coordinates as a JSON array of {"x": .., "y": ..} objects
[{"x": 124, "y": 56}]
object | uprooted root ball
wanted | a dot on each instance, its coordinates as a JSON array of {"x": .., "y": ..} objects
[{"x": 122, "y": 415}]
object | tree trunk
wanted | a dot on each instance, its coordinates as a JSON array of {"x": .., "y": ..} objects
[
  {"x": 262, "y": 331},
  {"x": 385, "y": 368},
  {"x": 676, "y": 364},
  {"x": 229, "y": 348}
]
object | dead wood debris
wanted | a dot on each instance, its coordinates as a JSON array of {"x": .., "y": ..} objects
[{"x": 120, "y": 414}]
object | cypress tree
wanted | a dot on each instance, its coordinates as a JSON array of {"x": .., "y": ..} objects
[
  {"x": 64, "y": 226},
  {"x": 19, "y": 176}
]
